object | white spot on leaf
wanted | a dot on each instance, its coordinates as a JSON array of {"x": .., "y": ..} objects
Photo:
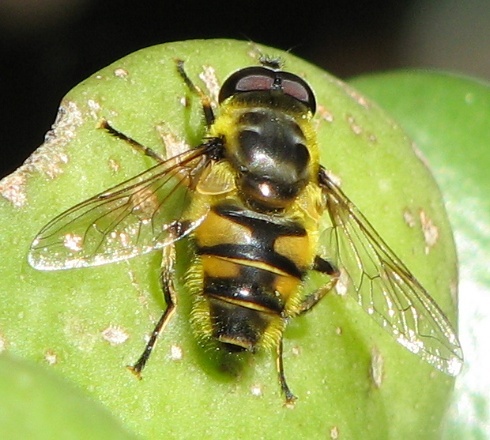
[
  {"x": 50, "y": 357},
  {"x": 342, "y": 285},
  {"x": 377, "y": 367},
  {"x": 3, "y": 343},
  {"x": 121, "y": 73},
  {"x": 256, "y": 390},
  {"x": 176, "y": 353},
  {"x": 115, "y": 335}
]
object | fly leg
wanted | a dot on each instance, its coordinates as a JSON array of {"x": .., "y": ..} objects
[
  {"x": 166, "y": 278},
  {"x": 289, "y": 396},
  {"x": 205, "y": 101},
  {"x": 323, "y": 266},
  {"x": 147, "y": 151},
  {"x": 135, "y": 144}
]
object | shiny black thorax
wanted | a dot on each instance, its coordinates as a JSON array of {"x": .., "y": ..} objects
[{"x": 269, "y": 153}]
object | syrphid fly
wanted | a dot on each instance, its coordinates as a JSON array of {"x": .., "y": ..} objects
[{"x": 249, "y": 199}]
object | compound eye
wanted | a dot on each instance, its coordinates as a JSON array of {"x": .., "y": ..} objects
[
  {"x": 294, "y": 86},
  {"x": 257, "y": 79},
  {"x": 254, "y": 82},
  {"x": 249, "y": 79}
]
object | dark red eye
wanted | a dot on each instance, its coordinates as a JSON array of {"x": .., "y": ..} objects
[
  {"x": 256, "y": 79},
  {"x": 294, "y": 86},
  {"x": 253, "y": 82}
]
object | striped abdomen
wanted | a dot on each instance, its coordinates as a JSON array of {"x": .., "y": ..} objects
[{"x": 252, "y": 267}]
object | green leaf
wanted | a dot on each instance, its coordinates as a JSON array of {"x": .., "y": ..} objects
[
  {"x": 38, "y": 404},
  {"x": 352, "y": 379},
  {"x": 448, "y": 117}
]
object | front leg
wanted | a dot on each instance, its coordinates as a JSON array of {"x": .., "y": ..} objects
[{"x": 147, "y": 151}]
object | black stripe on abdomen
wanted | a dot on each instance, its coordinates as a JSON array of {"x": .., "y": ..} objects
[
  {"x": 263, "y": 234},
  {"x": 252, "y": 287},
  {"x": 253, "y": 253}
]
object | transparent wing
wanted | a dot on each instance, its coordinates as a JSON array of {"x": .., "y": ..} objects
[
  {"x": 130, "y": 219},
  {"x": 385, "y": 288}
]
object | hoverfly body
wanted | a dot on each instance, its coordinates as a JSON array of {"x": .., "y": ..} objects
[{"x": 250, "y": 198}]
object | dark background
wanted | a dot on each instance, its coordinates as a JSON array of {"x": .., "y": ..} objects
[{"x": 48, "y": 46}]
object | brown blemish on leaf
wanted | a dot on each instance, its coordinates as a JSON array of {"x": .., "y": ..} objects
[
  {"x": 409, "y": 219},
  {"x": 325, "y": 114},
  {"x": 334, "y": 433},
  {"x": 430, "y": 231},
  {"x": 354, "y": 126},
  {"x": 208, "y": 76},
  {"x": 49, "y": 159}
]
